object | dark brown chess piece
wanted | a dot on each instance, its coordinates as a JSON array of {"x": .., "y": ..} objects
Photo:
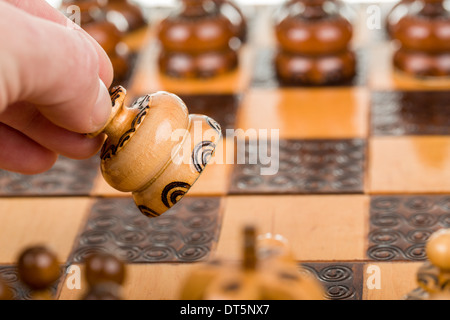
[
  {"x": 314, "y": 44},
  {"x": 423, "y": 38},
  {"x": 195, "y": 41},
  {"x": 38, "y": 269},
  {"x": 237, "y": 17},
  {"x": 126, "y": 16},
  {"x": 105, "y": 275},
  {"x": 94, "y": 22}
]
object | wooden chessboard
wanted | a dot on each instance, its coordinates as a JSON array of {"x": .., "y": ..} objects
[{"x": 364, "y": 178}]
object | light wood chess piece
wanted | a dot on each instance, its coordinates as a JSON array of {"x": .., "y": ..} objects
[
  {"x": 268, "y": 272},
  {"x": 433, "y": 276},
  {"x": 155, "y": 149}
]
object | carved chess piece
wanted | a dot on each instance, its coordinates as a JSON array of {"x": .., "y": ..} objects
[
  {"x": 421, "y": 32},
  {"x": 433, "y": 276},
  {"x": 94, "y": 22},
  {"x": 126, "y": 16},
  {"x": 195, "y": 42},
  {"x": 155, "y": 149},
  {"x": 314, "y": 44},
  {"x": 267, "y": 272}
]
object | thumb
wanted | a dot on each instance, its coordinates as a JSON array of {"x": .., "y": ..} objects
[{"x": 54, "y": 67}]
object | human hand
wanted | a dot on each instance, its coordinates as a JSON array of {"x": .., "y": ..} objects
[{"x": 53, "y": 87}]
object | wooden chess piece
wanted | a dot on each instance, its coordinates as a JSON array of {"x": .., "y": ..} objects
[
  {"x": 267, "y": 272},
  {"x": 94, "y": 22},
  {"x": 421, "y": 33},
  {"x": 237, "y": 17},
  {"x": 433, "y": 276},
  {"x": 104, "y": 291},
  {"x": 195, "y": 42},
  {"x": 126, "y": 16},
  {"x": 104, "y": 268},
  {"x": 155, "y": 149},
  {"x": 6, "y": 292},
  {"x": 314, "y": 44},
  {"x": 38, "y": 269}
]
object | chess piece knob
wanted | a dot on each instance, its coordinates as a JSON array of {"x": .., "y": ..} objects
[
  {"x": 195, "y": 42},
  {"x": 155, "y": 149}
]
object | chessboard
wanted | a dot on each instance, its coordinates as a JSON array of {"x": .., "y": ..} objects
[{"x": 363, "y": 177}]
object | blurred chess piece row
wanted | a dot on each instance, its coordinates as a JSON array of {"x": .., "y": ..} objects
[
  {"x": 39, "y": 270},
  {"x": 420, "y": 27},
  {"x": 109, "y": 22},
  {"x": 268, "y": 272},
  {"x": 433, "y": 276}
]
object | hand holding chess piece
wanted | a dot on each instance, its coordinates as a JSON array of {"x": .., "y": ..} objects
[{"x": 155, "y": 149}]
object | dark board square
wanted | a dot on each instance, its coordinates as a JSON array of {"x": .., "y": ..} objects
[
  {"x": 264, "y": 73},
  {"x": 401, "y": 225},
  {"x": 410, "y": 113},
  {"x": 9, "y": 275},
  {"x": 305, "y": 166},
  {"x": 185, "y": 233},
  {"x": 221, "y": 107},
  {"x": 68, "y": 177},
  {"x": 341, "y": 281}
]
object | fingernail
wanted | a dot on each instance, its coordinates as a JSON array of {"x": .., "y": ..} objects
[{"x": 102, "y": 108}]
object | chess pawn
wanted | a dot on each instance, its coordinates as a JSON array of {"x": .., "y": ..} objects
[
  {"x": 236, "y": 16},
  {"x": 424, "y": 43},
  {"x": 126, "y": 16},
  {"x": 155, "y": 149},
  {"x": 274, "y": 248},
  {"x": 434, "y": 276},
  {"x": 105, "y": 275},
  {"x": 195, "y": 42},
  {"x": 38, "y": 269},
  {"x": 94, "y": 22},
  {"x": 314, "y": 44}
]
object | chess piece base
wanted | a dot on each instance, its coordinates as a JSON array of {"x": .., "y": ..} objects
[{"x": 319, "y": 70}]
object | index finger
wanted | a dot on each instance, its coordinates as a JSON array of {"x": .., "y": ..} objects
[{"x": 42, "y": 9}]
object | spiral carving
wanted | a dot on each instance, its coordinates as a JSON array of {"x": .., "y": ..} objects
[{"x": 173, "y": 192}]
